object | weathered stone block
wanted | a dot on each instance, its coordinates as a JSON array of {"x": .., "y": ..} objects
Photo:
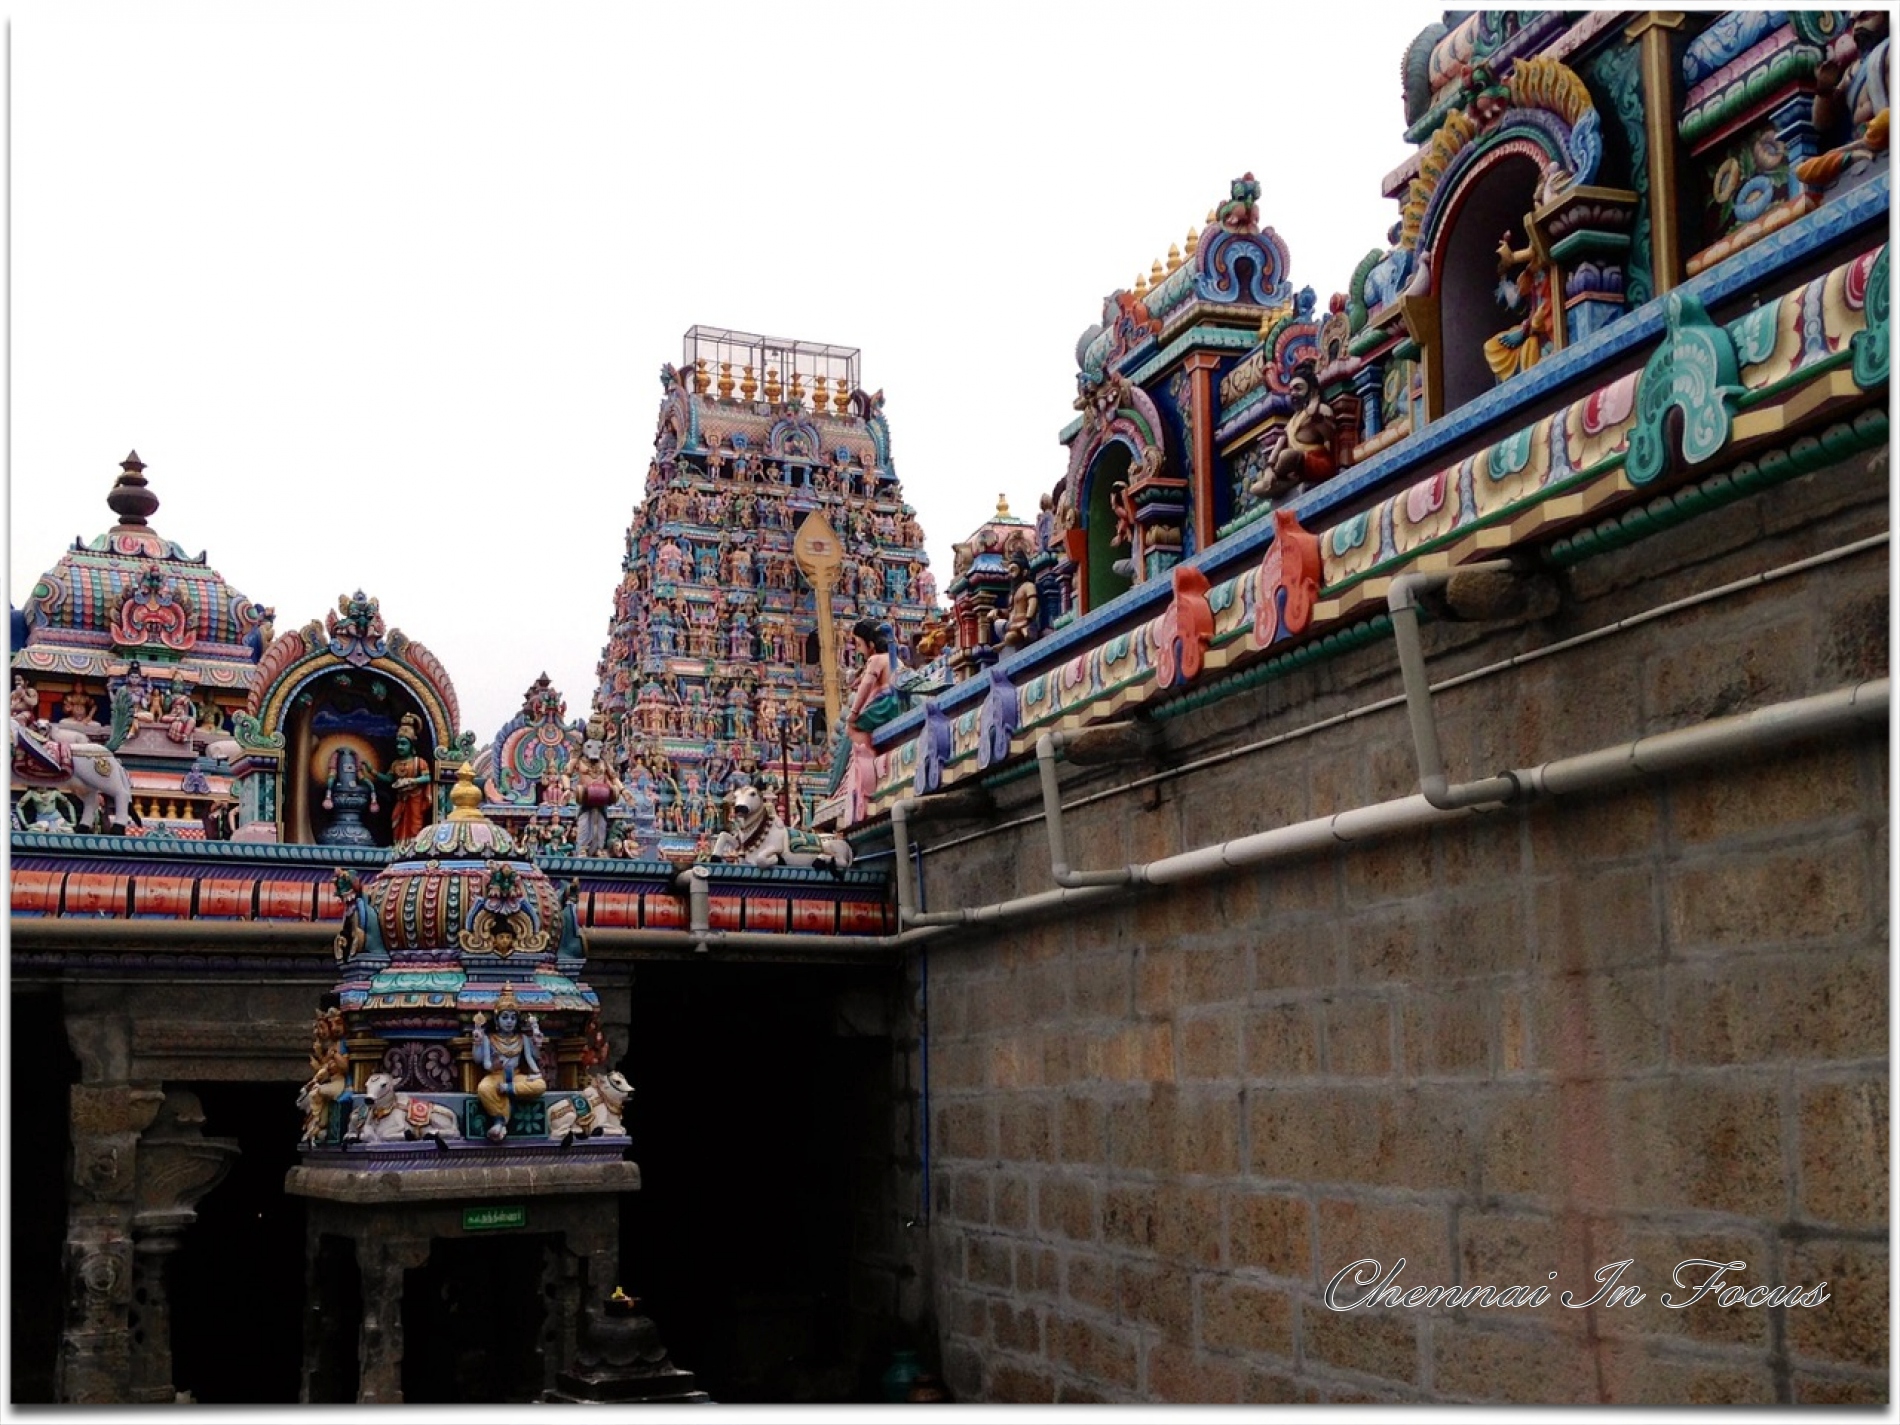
[
  {"x": 991, "y": 1261},
  {"x": 1598, "y": 918},
  {"x": 1709, "y": 675},
  {"x": 1065, "y": 1206},
  {"x": 1844, "y": 1153},
  {"x": 1851, "y": 1326},
  {"x": 1713, "y": 1145},
  {"x": 1644, "y": 1373},
  {"x": 1271, "y": 1387},
  {"x": 1528, "y": 1366},
  {"x": 1010, "y": 1205},
  {"x": 1243, "y": 1316},
  {"x": 1598, "y": 1025},
  {"x": 1158, "y": 1295},
  {"x": 1604, "y": 826},
  {"x": 1281, "y": 1041},
  {"x": 1011, "y": 1384},
  {"x": 1374, "y": 1345},
  {"x": 1353, "y": 1228},
  {"x": 1780, "y": 791},
  {"x": 1359, "y": 1035},
  {"x": 1270, "y": 1232},
  {"x": 1814, "y": 892},
  {"x": 1082, "y": 1133},
  {"x": 1188, "y": 1223},
  {"x": 1015, "y": 1328},
  {"x": 1105, "y": 1354},
  {"x": 1176, "y": 1373},
  {"x": 1752, "y": 1009},
  {"x": 1210, "y": 1045},
  {"x": 1025, "y": 1130},
  {"x": 1088, "y": 1281},
  {"x": 1446, "y": 1032}
]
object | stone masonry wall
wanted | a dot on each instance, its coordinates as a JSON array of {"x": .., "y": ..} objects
[{"x": 1648, "y": 1025}]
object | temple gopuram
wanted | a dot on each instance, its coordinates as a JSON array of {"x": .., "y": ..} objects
[
  {"x": 1375, "y": 889},
  {"x": 773, "y": 521}
]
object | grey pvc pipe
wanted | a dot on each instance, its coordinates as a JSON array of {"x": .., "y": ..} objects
[
  {"x": 1047, "y": 746},
  {"x": 1765, "y": 728},
  {"x": 1433, "y": 783},
  {"x": 908, "y": 915}
]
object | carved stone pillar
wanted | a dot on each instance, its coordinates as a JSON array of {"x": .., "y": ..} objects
[
  {"x": 177, "y": 1166},
  {"x": 107, "y": 1114},
  {"x": 379, "y": 1345}
]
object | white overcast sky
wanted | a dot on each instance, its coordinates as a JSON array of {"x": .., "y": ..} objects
[{"x": 381, "y": 293}]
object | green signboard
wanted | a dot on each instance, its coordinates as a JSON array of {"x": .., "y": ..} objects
[{"x": 487, "y": 1219}]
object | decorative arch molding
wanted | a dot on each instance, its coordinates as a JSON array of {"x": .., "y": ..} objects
[
  {"x": 1547, "y": 115},
  {"x": 794, "y": 439},
  {"x": 1242, "y": 267},
  {"x": 299, "y": 658},
  {"x": 679, "y": 417},
  {"x": 1118, "y": 411}
]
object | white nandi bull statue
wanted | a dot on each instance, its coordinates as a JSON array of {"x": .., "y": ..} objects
[
  {"x": 383, "y": 1115},
  {"x": 592, "y": 1110},
  {"x": 755, "y": 835}
]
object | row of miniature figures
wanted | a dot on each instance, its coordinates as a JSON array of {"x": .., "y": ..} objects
[{"x": 517, "y": 1093}]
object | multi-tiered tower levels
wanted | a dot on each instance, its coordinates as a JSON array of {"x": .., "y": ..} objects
[{"x": 716, "y": 669}]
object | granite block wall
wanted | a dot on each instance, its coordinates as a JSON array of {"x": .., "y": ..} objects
[{"x": 1648, "y": 1027}]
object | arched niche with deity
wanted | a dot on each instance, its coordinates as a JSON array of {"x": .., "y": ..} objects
[
  {"x": 1508, "y": 245},
  {"x": 349, "y": 736}
]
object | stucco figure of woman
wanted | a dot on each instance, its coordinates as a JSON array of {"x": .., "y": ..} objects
[{"x": 873, "y": 703}]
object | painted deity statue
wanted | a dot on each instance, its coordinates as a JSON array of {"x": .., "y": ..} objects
[
  {"x": 1854, "y": 98},
  {"x": 329, "y": 1075},
  {"x": 511, "y": 1074},
  {"x": 80, "y": 711},
  {"x": 596, "y": 788},
  {"x": 24, "y": 703},
  {"x": 1018, "y": 626},
  {"x": 408, "y": 777},
  {"x": 1305, "y": 456},
  {"x": 180, "y": 712},
  {"x": 1525, "y": 284}
]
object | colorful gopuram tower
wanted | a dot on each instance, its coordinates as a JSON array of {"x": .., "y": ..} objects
[{"x": 772, "y": 521}]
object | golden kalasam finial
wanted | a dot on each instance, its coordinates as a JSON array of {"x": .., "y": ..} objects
[
  {"x": 1174, "y": 256},
  {"x": 1155, "y": 273},
  {"x": 1140, "y": 289},
  {"x": 465, "y": 796},
  {"x": 1210, "y": 215},
  {"x": 1193, "y": 241},
  {"x": 1002, "y": 507}
]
